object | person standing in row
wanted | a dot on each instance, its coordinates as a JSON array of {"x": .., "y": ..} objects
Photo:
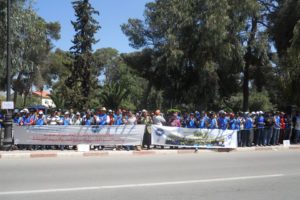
[
  {"x": 158, "y": 118},
  {"x": 297, "y": 127},
  {"x": 248, "y": 126},
  {"x": 276, "y": 129},
  {"x": 269, "y": 123},
  {"x": 260, "y": 138}
]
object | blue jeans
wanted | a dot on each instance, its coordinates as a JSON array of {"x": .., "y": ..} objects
[
  {"x": 260, "y": 140},
  {"x": 275, "y": 140},
  {"x": 269, "y": 133}
]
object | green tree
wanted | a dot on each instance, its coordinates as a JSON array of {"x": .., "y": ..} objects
[
  {"x": 113, "y": 95},
  {"x": 82, "y": 80},
  {"x": 284, "y": 30},
  {"x": 202, "y": 49},
  {"x": 31, "y": 43}
]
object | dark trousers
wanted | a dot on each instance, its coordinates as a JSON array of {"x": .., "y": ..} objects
[
  {"x": 245, "y": 138},
  {"x": 269, "y": 133},
  {"x": 147, "y": 139},
  {"x": 260, "y": 137}
]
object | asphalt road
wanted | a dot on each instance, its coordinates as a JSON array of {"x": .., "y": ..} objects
[{"x": 240, "y": 175}]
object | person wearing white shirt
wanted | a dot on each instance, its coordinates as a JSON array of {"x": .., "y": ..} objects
[{"x": 158, "y": 119}]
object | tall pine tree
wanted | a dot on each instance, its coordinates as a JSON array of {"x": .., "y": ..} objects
[{"x": 82, "y": 80}]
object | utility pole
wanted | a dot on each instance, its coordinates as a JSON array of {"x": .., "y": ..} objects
[{"x": 8, "y": 141}]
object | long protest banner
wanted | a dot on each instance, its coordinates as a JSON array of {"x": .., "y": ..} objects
[
  {"x": 194, "y": 137},
  {"x": 73, "y": 135}
]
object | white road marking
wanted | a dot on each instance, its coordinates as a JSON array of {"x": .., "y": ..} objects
[{"x": 139, "y": 185}]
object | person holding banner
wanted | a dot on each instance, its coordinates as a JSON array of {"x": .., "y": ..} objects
[
  {"x": 203, "y": 119},
  {"x": 87, "y": 119},
  {"x": 211, "y": 122},
  {"x": 158, "y": 119},
  {"x": 191, "y": 122},
  {"x": 77, "y": 120},
  {"x": 118, "y": 117},
  {"x": 222, "y": 120},
  {"x": 174, "y": 121},
  {"x": 66, "y": 120},
  {"x": 28, "y": 119},
  {"x": 131, "y": 121},
  {"x": 146, "y": 119},
  {"x": 53, "y": 119},
  {"x": 103, "y": 117},
  {"x": 40, "y": 120}
]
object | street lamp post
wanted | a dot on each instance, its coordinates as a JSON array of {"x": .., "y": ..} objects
[{"x": 8, "y": 141}]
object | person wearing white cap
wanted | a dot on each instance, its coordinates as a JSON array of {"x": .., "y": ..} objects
[
  {"x": 27, "y": 119},
  {"x": 66, "y": 120},
  {"x": 77, "y": 120},
  {"x": 40, "y": 120}
]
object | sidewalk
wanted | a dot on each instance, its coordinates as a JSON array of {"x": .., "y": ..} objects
[{"x": 103, "y": 153}]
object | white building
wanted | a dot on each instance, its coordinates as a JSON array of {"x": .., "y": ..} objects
[{"x": 45, "y": 98}]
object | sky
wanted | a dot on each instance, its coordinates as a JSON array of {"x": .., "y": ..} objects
[{"x": 113, "y": 13}]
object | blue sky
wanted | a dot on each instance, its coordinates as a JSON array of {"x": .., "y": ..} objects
[{"x": 113, "y": 13}]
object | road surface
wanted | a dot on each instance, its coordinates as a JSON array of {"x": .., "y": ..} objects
[{"x": 235, "y": 175}]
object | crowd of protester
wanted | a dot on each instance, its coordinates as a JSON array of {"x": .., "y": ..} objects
[{"x": 254, "y": 128}]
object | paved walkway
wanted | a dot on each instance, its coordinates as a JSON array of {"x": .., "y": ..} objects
[{"x": 70, "y": 153}]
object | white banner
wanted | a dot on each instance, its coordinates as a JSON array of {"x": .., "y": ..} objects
[
  {"x": 73, "y": 135},
  {"x": 193, "y": 137}
]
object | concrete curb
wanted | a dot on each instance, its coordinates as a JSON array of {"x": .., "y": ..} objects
[{"x": 68, "y": 154}]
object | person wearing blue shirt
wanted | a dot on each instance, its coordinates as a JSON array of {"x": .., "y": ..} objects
[
  {"x": 232, "y": 122},
  {"x": 103, "y": 118},
  {"x": 260, "y": 138},
  {"x": 211, "y": 122},
  {"x": 191, "y": 122},
  {"x": 1, "y": 120},
  {"x": 40, "y": 120},
  {"x": 66, "y": 120},
  {"x": 222, "y": 121},
  {"x": 27, "y": 120},
  {"x": 184, "y": 119},
  {"x": 118, "y": 117},
  {"x": 276, "y": 130},
  {"x": 87, "y": 119},
  {"x": 248, "y": 126},
  {"x": 203, "y": 120}
]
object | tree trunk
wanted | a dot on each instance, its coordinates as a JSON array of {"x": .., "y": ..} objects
[
  {"x": 248, "y": 60},
  {"x": 25, "y": 100},
  {"x": 246, "y": 87},
  {"x": 146, "y": 95},
  {"x": 15, "y": 89}
]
